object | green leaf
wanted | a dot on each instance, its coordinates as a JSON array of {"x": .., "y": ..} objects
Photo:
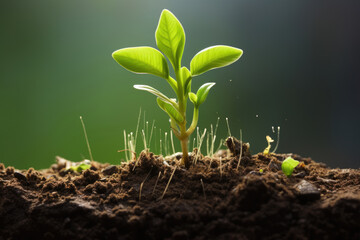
[
  {"x": 203, "y": 92},
  {"x": 170, "y": 110},
  {"x": 193, "y": 98},
  {"x": 80, "y": 167},
  {"x": 188, "y": 88},
  {"x": 288, "y": 166},
  {"x": 214, "y": 57},
  {"x": 173, "y": 84},
  {"x": 142, "y": 60},
  {"x": 156, "y": 93},
  {"x": 170, "y": 37},
  {"x": 186, "y": 77}
]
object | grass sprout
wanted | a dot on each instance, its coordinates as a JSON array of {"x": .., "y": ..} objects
[
  {"x": 157, "y": 180},
  {"x": 172, "y": 142},
  {"x": 86, "y": 138},
  {"x": 228, "y": 127},
  {"x": 270, "y": 140},
  {"x": 240, "y": 156},
  {"x": 201, "y": 139},
  {"x": 278, "y": 138}
]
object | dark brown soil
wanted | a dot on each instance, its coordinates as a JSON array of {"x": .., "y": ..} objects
[{"x": 211, "y": 200}]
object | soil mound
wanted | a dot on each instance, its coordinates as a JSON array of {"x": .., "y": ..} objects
[{"x": 213, "y": 199}]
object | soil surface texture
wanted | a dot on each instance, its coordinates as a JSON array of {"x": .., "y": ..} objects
[{"x": 154, "y": 197}]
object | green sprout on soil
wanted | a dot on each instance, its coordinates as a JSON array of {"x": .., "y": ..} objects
[
  {"x": 288, "y": 166},
  {"x": 80, "y": 168},
  {"x": 270, "y": 140},
  {"x": 170, "y": 39},
  {"x": 267, "y": 149}
]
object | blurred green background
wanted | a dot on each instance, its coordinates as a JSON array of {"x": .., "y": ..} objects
[{"x": 300, "y": 71}]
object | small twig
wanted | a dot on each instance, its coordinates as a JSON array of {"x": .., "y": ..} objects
[
  {"x": 156, "y": 183},
  {"x": 237, "y": 168},
  {"x": 128, "y": 150},
  {"x": 167, "y": 185},
  {"x": 202, "y": 184},
  {"x": 137, "y": 160},
  {"x": 220, "y": 169},
  {"x": 142, "y": 183}
]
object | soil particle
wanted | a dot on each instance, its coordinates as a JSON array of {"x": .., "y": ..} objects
[
  {"x": 274, "y": 165},
  {"x": 210, "y": 200},
  {"x": 300, "y": 175},
  {"x": 20, "y": 176},
  {"x": 9, "y": 170},
  {"x": 110, "y": 170},
  {"x": 235, "y": 147},
  {"x": 307, "y": 191}
]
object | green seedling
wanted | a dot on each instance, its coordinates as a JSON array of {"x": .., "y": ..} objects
[
  {"x": 267, "y": 149},
  {"x": 270, "y": 140},
  {"x": 288, "y": 166},
  {"x": 170, "y": 39},
  {"x": 80, "y": 168}
]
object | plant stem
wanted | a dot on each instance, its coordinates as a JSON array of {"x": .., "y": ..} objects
[
  {"x": 184, "y": 148},
  {"x": 182, "y": 109},
  {"x": 194, "y": 121}
]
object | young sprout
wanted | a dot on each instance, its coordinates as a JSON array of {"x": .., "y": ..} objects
[
  {"x": 81, "y": 167},
  {"x": 86, "y": 138},
  {"x": 267, "y": 149},
  {"x": 288, "y": 166},
  {"x": 270, "y": 140},
  {"x": 170, "y": 39}
]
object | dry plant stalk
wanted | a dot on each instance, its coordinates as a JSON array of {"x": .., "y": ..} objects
[
  {"x": 220, "y": 168},
  {"x": 156, "y": 183},
  {"x": 142, "y": 183},
  {"x": 237, "y": 167},
  {"x": 167, "y": 185},
  {"x": 202, "y": 184}
]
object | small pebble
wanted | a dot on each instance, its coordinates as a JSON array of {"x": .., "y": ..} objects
[
  {"x": 257, "y": 173},
  {"x": 300, "y": 175},
  {"x": 110, "y": 170},
  {"x": 274, "y": 166},
  {"x": 20, "y": 176},
  {"x": 307, "y": 191}
]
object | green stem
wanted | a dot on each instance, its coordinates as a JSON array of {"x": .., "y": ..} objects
[
  {"x": 194, "y": 121},
  {"x": 182, "y": 109},
  {"x": 174, "y": 128},
  {"x": 180, "y": 93},
  {"x": 184, "y": 148}
]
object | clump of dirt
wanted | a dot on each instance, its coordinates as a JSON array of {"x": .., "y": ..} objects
[{"x": 214, "y": 199}]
